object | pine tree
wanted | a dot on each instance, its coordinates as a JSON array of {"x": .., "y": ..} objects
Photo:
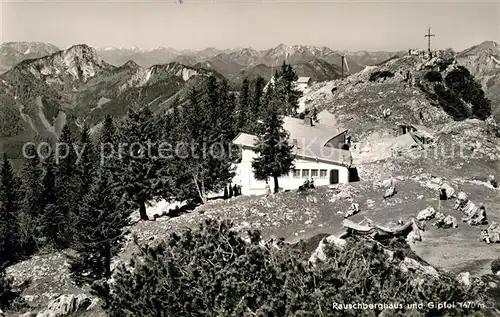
[
  {"x": 107, "y": 145},
  {"x": 86, "y": 163},
  {"x": 274, "y": 153},
  {"x": 209, "y": 127},
  {"x": 108, "y": 131},
  {"x": 256, "y": 107},
  {"x": 225, "y": 113},
  {"x": 140, "y": 174},
  {"x": 244, "y": 114},
  {"x": 67, "y": 190},
  {"x": 10, "y": 208},
  {"x": 176, "y": 134},
  {"x": 32, "y": 207},
  {"x": 100, "y": 231},
  {"x": 285, "y": 89},
  {"x": 52, "y": 218},
  {"x": 7, "y": 295}
]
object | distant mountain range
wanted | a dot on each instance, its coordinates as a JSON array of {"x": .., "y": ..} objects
[
  {"x": 319, "y": 63},
  {"x": 12, "y": 53},
  {"x": 44, "y": 86}
]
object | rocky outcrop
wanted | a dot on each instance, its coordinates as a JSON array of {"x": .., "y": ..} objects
[
  {"x": 65, "y": 305},
  {"x": 319, "y": 253},
  {"x": 77, "y": 63}
]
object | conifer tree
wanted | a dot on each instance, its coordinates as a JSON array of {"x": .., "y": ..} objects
[
  {"x": 225, "y": 113},
  {"x": 274, "y": 153},
  {"x": 100, "y": 231},
  {"x": 244, "y": 115},
  {"x": 256, "y": 106},
  {"x": 32, "y": 206},
  {"x": 176, "y": 136},
  {"x": 108, "y": 131},
  {"x": 10, "y": 208},
  {"x": 209, "y": 128},
  {"x": 7, "y": 294},
  {"x": 86, "y": 163},
  {"x": 140, "y": 173},
  {"x": 50, "y": 223},
  {"x": 285, "y": 89},
  {"x": 67, "y": 189},
  {"x": 107, "y": 145}
]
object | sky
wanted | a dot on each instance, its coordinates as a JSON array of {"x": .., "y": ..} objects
[{"x": 197, "y": 24}]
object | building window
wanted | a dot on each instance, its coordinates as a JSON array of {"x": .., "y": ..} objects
[
  {"x": 305, "y": 173},
  {"x": 296, "y": 173},
  {"x": 322, "y": 174},
  {"x": 314, "y": 173}
]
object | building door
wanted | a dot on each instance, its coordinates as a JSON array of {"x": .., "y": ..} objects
[{"x": 334, "y": 177}]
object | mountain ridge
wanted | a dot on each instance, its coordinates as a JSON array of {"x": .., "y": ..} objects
[{"x": 76, "y": 84}]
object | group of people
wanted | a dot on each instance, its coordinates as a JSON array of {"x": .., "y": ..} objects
[{"x": 232, "y": 191}]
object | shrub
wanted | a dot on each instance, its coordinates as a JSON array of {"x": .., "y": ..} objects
[
  {"x": 380, "y": 74},
  {"x": 444, "y": 63},
  {"x": 212, "y": 271},
  {"x": 463, "y": 84},
  {"x": 495, "y": 266},
  {"x": 451, "y": 103},
  {"x": 433, "y": 76},
  {"x": 8, "y": 298}
]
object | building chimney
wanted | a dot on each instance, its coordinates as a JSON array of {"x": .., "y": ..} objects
[{"x": 308, "y": 121}]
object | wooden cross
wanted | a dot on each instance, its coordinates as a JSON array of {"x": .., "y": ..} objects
[{"x": 428, "y": 36}]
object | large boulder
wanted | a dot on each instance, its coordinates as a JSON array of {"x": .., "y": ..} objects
[
  {"x": 66, "y": 305},
  {"x": 319, "y": 253},
  {"x": 426, "y": 214},
  {"x": 450, "y": 191},
  {"x": 409, "y": 264},
  {"x": 464, "y": 278}
]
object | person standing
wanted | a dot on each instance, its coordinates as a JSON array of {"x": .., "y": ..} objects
[{"x": 268, "y": 189}]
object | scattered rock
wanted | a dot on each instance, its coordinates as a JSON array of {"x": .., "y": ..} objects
[
  {"x": 370, "y": 203},
  {"x": 409, "y": 264},
  {"x": 464, "y": 278},
  {"x": 319, "y": 253},
  {"x": 426, "y": 214},
  {"x": 66, "y": 304}
]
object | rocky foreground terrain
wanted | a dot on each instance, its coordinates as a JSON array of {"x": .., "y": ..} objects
[
  {"x": 462, "y": 153},
  {"x": 295, "y": 216}
]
